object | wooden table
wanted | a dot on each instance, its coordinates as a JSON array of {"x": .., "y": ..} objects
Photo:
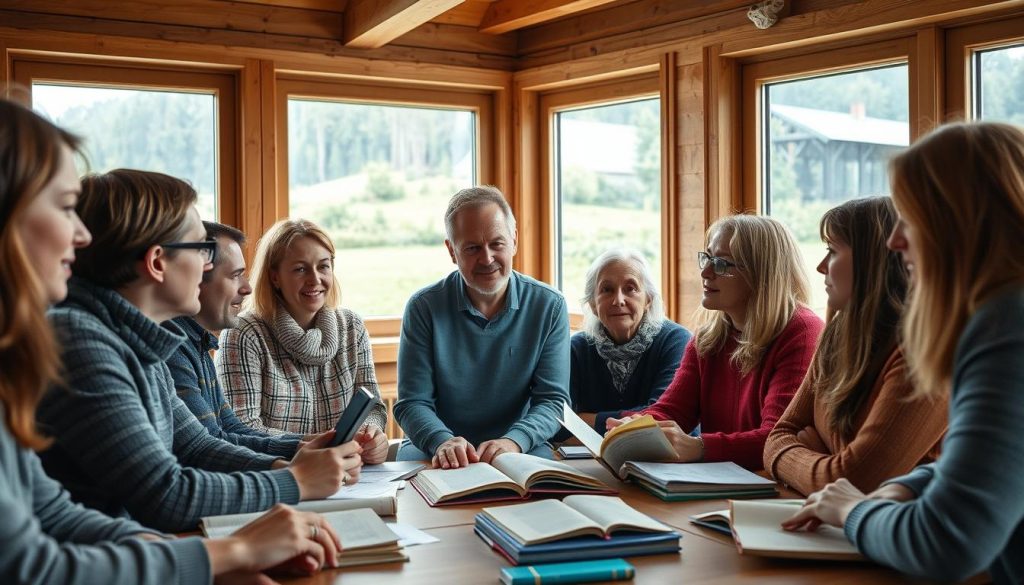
[{"x": 707, "y": 556}]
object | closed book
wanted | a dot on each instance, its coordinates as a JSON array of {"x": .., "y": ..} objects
[
  {"x": 712, "y": 479},
  {"x": 721, "y": 494},
  {"x": 564, "y": 573},
  {"x": 510, "y": 476}
]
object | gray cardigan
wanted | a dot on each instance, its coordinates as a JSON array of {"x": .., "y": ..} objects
[
  {"x": 46, "y": 538},
  {"x": 125, "y": 443},
  {"x": 969, "y": 513}
]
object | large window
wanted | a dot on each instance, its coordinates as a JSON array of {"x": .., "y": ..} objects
[
  {"x": 828, "y": 139},
  {"x": 378, "y": 179},
  {"x": 164, "y": 131},
  {"x": 607, "y": 162},
  {"x": 998, "y": 76},
  {"x": 181, "y": 122}
]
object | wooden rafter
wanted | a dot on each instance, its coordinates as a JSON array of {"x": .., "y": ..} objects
[
  {"x": 371, "y": 24},
  {"x": 508, "y": 15}
]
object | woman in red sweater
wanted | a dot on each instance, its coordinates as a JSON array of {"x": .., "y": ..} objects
[{"x": 751, "y": 351}]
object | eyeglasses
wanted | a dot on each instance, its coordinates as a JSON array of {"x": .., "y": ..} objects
[
  {"x": 207, "y": 249},
  {"x": 718, "y": 265}
]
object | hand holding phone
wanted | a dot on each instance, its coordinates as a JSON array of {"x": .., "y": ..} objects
[{"x": 355, "y": 414}]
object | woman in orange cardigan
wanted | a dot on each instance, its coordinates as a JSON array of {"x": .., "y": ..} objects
[{"x": 852, "y": 416}]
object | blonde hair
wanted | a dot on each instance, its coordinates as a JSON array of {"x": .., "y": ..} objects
[
  {"x": 773, "y": 267},
  {"x": 961, "y": 189},
  {"x": 858, "y": 339},
  {"x": 270, "y": 250}
]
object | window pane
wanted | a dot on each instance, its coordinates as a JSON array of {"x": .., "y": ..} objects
[
  {"x": 608, "y": 188},
  {"x": 168, "y": 132},
  {"x": 829, "y": 140},
  {"x": 378, "y": 180},
  {"x": 999, "y": 84}
]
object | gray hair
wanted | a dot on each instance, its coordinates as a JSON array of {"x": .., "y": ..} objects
[
  {"x": 475, "y": 197},
  {"x": 656, "y": 309}
]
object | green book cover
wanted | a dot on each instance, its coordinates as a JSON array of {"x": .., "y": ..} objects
[{"x": 574, "y": 572}]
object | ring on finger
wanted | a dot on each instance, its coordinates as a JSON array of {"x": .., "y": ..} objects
[{"x": 314, "y": 530}]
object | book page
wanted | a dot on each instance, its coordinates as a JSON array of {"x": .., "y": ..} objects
[
  {"x": 756, "y": 525},
  {"x": 579, "y": 428},
  {"x": 612, "y": 513},
  {"x": 527, "y": 469},
  {"x": 360, "y": 529},
  {"x": 645, "y": 443},
  {"x": 465, "y": 480},
  {"x": 541, "y": 521}
]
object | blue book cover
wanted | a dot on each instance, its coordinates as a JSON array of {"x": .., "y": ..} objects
[
  {"x": 564, "y": 573},
  {"x": 579, "y": 548}
]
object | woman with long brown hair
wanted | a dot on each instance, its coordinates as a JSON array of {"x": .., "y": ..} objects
[
  {"x": 960, "y": 195},
  {"x": 44, "y": 536},
  {"x": 854, "y": 406}
]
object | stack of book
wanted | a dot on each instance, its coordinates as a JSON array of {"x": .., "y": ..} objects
[
  {"x": 577, "y": 528},
  {"x": 365, "y": 539},
  {"x": 510, "y": 476},
  {"x": 699, "y": 481}
]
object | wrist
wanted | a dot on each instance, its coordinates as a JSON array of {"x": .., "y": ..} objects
[
  {"x": 700, "y": 448},
  {"x": 227, "y": 555}
]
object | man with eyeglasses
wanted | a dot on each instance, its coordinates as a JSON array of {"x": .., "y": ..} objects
[{"x": 221, "y": 293}]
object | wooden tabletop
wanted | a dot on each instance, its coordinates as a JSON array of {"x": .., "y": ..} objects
[{"x": 706, "y": 557}]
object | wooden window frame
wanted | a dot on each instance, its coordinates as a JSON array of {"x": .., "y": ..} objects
[
  {"x": 223, "y": 84},
  {"x": 960, "y": 45},
  {"x": 765, "y": 71},
  {"x": 608, "y": 92},
  {"x": 288, "y": 85}
]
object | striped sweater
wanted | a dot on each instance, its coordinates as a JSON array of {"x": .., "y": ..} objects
[{"x": 124, "y": 442}]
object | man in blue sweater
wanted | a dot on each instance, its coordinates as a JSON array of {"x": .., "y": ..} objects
[
  {"x": 483, "y": 362},
  {"x": 195, "y": 377}
]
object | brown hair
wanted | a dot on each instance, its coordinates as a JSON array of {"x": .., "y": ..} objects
[
  {"x": 773, "y": 268},
  {"x": 30, "y": 155},
  {"x": 128, "y": 212},
  {"x": 270, "y": 250},
  {"x": 961, "y": 189},
  {"x": 858, "y": 339}
]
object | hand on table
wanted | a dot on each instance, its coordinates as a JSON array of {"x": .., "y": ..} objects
[
  {"x": 454, "y": 453},
  {"x": 488, "y": 450}
]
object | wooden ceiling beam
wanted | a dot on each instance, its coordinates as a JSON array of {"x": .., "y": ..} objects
[
  {"x": 371, "y": 24},
  {"x": 508, "y": 15}
]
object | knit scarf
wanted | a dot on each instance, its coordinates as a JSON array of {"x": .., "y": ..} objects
[
  {"x": 622, "y": 359},
  {"x": 314, "y": 347}
]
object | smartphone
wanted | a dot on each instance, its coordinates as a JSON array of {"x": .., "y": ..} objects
[{"x": 355, "y": 413}]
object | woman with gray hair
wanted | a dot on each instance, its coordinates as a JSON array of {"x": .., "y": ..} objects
[{"x": 628, "y": 351}]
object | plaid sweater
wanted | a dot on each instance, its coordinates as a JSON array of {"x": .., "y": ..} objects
[
  {"x": 196, "y": 380},
  {"x": 46, "y": 538},
  {"x": 124, "y": 442},
  {"x": 280, "y": 378}
]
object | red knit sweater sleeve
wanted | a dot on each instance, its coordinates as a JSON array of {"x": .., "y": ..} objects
[
  {"x": 681, "y": 400},
  {"x": 782, "y": 369}
]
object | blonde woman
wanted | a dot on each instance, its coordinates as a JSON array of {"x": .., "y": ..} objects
[
  {"x": 854, "y": 406},
  {"x": 960, "y": 195},
  {"x": 296, "y": 356},
  {"x": 751, "y": 351}
]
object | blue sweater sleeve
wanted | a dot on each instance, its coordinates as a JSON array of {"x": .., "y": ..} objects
[
  {"x": 970, "y": 507},
  {"x": 103, "y": 427},
  {"x": 416, "y": 408},
  {"x": 58, "y": 541},
  {"x": 549, "y": 385}
]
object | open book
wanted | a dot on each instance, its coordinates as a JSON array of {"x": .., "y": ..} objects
[
  {"x": 381, "y": 497},
  {"x": 365, "y": 539},
  {"x": 510, "y": 476},
  {"x": 755, "y": 526},
  {"x": 695, "y": 481},
  {"x": 640, "y": 439},
  {"x": 577, "y": 528},
  {"x": 550, "y": 520}
]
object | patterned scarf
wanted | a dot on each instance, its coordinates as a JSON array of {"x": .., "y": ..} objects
[
  {"x": 622, "y": 359},
  {"x": 314, "y": 347}
]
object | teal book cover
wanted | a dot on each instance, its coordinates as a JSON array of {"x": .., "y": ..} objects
[{"x": 575, "y": 572}]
